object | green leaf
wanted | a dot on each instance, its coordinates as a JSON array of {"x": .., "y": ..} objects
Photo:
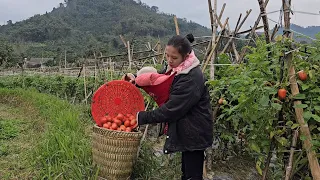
[
  {"x": 258, "y": 164},
  {"x": 303, "y": 137},
  {"x": 317, "y": 108},
  {"x": 300, "y": 96},
  {"x": 276, "y": 106},
  {"x": 289, "y": 123},
  {"x": 294, "y": 126},
  {"x": 307, "y": 115},
  {"x": 264, "y": 101},
  {"x": 301, "y": 106},
  {"x": 316, "y": 90},
  {"x": 305, "y": 87},
  {"x": 283, "y": 141},
  {"x": 316, "y": 117},
  {"x": 271, "y": 134},
  {"x": 318, "y": 128},
  {"x": 255, "y": 147}
]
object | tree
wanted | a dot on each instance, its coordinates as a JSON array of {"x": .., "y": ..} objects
[
  {"x": 6, "y": 52},
  {"x": 155, "y": 8}
]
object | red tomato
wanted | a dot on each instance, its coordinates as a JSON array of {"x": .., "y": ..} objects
[
  {"x": 120, "y": 116},
  {"x": 128, "y": 129},
  {"x": 103, "y": 120},
  {"x": 127, "y": 123},
  {"x": 132, "y": 117},
  {"x": 114, "y": 126},
  {"x": 109, "y": 119},
  {"x": 107, "y": 125},
  {"x": 118, "y": 122},
  {"x": 282, "y": 93},
  {"x": 302, "y": 75},
  {"x": 122, "y": 128},
  {"x": 133, "y": 122}
]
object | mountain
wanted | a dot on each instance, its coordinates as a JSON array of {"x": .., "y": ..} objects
[
  {"x": 310, "y": 31},
  {"x": 81, "y": 26}
]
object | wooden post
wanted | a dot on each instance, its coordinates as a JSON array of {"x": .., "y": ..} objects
[
  {"x": 293, "y": 147},
  {"x": 211, "y": 14},
  {"x": 214, "y": 31},
  {"x": 129, "y": 55},
  {"x": 265, "y": 20},
  {"x": 244, "y": 50},
  {"x": 176, "y": 24},
  {"x": 312, "y": 157},
  {"x": 65, "y": 59},
  {"x": 204, "y": 66},
  {"x": 84, "y": 82}
]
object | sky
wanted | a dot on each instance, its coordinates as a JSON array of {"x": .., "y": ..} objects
[{"x": 195, "y": 10}]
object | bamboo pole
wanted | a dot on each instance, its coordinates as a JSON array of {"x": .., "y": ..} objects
[
  {"x": 265, "y": 20},
  {"x": 312, "y": 157},
  {"x": 176, "y": 24},
  {"x": 293, "y": 147},
  {"x": 129, "y": 55},
  {"x": 215, "y": 46},
  {"x": 84, "y": 83}
]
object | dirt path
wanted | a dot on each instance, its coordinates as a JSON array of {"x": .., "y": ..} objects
[{"x": 19, "y": 132}]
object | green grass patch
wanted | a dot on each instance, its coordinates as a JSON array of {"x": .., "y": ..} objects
[{"x": 63, "y": 150}]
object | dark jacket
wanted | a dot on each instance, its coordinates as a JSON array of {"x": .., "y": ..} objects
[{"x": 188, "y": 113}]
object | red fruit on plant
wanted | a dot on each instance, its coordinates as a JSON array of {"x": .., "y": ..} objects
[
  {"x": 221, "y": 101},
  {"x": 282, "y": 93},
  {"x": 302, "y": 75}
]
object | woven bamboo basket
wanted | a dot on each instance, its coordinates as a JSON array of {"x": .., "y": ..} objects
[{"x": 114, "y": 152}]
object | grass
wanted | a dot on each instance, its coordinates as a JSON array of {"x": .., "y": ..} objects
[{"x": 63, "y": 150}]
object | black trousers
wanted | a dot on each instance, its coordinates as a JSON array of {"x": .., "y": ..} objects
[{"x": 192, "y": 165}]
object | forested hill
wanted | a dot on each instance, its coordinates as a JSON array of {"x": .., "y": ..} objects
[{"x": 82, "y": 25}]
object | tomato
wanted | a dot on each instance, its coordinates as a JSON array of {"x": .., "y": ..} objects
[
  {"x": 133, "y": 122},
  {"x": 114, "y": 126},
  {"x": 120, "y": 116},
  {"x": 127, "y": 123},
  {"x": 107, "y": 125},
  {"x": 118, "y": 122},
  {"x": 132, "y": 117},
  {"x": 99, "y": 124},
  {"x": 221, "y": 101},
  {"x": 109, "y": 119},
  {"x": 103, "y": 120},
  {"x": 302, "y": 75},
  {"x": 128, "y": 129},
  {"x": 128, "y": 115},
  {"x": 122, "y": 128},
  {"x": 282, "y": 93}
]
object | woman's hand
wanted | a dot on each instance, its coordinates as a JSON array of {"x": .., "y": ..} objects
[{"x": 129, "y": 77}]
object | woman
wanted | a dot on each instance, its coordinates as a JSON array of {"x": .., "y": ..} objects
[{"x": 187, "y": 111}]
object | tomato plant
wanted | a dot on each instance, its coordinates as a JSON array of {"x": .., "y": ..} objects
[{"x": 254, "y": 110}]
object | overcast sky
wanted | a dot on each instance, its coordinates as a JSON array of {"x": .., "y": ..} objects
[{"x": 195, "y": 10}]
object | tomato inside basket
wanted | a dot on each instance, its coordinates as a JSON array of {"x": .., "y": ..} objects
[{"x": 116, "y": 99}]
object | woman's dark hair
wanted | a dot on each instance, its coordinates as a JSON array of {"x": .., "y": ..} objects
[{"x": 183, "y": 44}]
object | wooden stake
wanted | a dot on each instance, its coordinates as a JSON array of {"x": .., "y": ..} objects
[
  {"x": 129, "y": 55},
  {"x": 265, "y": 20},
  {"x": 212, "y": 68},
  {"x": 215, "y": 46},
  {"x": 176, "y": 24},
  {"x": 84, "y": 83},
  {"x": 211, "y": 14},
  {"x": 293, "y": 147},
  {"x": 312, "y": 157},
  {"x": 123, "y": 41}
]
